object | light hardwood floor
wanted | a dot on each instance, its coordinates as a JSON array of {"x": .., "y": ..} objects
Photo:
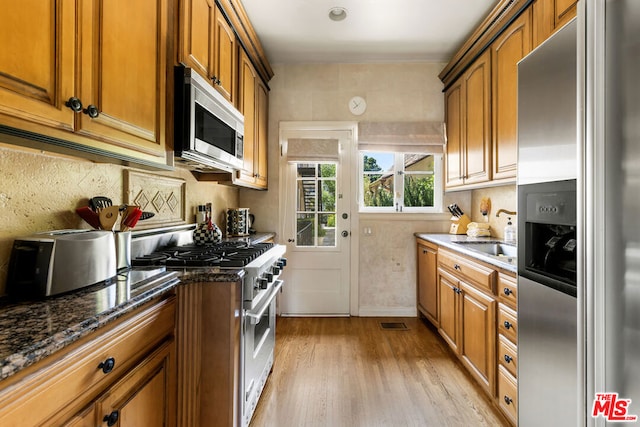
[{"x": 338, "y": 372}]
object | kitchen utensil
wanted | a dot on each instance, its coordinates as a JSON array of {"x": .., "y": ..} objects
[
  {"x": 130, "y": 217},
  {"x": 458, "y": 211},
  {"x": 99, "y": 202},
  {"x": 108, "y": 217},
  {"x": 89, "y": 216},
  {"x": 146, "y": 215}
]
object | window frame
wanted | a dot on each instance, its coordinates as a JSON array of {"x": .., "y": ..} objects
[{"x": 398, "y": 182}]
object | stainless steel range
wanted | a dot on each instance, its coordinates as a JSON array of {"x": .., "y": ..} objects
[{"x": 261, "y": 264}]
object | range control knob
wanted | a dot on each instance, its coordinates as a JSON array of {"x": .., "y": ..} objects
[
  {"x": 283, "y": 261},
  {"x": 275, "y": 270},
  {"x": 269, "y": 276},
  {"x": 263, "y": 283},
  {"x": 280, "y": 264}
]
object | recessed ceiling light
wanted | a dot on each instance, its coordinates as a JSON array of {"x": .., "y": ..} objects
[{"x": 337, "y": 13}]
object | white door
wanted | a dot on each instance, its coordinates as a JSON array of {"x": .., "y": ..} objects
[{"x": 315, "y": 202}]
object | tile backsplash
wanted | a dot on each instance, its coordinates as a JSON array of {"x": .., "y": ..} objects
[
  {"x": 40, "y": 191},
  {"x": 503, "y": 197}
]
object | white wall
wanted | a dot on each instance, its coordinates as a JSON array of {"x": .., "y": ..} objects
[{"x": 394, "y": 92}]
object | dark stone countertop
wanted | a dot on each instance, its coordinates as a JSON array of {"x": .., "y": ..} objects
[
  {"x": 33, "y": 330},
  {"x": 449, "y": 241}
]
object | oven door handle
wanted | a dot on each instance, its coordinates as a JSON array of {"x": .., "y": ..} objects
[{"x": 256, "y": 316}]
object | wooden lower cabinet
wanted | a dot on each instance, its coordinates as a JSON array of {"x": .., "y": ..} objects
[
  {"x": 508, "y": 395},
  {"x": 467, "y": 323},
  {"x": 477, "y": 317},
  {"x": 427, "y": 280},
  {"x": 71, "y": 387}
]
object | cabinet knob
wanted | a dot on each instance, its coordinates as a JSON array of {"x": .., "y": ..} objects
[
  {"x": 507, "y": 291},
  {"x": 91, "y": 111},
  {"x": 456, "y": 266},
  {"x": 111, "y": 419},
  {"x": 508, "y": 358},
  {"x": 507, "y": 324},
  {"x": 74, "y": 104},
  {"x": 215, "y": 80},
  {"x": 108, "y": 365},
  {"x": 508, "y": 400}
]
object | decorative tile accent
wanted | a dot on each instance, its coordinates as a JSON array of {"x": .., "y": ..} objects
[{"x": 162, "y": 195}]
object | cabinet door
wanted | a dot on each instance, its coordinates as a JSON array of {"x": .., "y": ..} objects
[
  {"x": 261, "y": 143},
  {"x": 86, "y": 418},
  {"x": 565, "y": 11},
  {"x": 144, "y": 397},
  {"x": 448, "y": 308},
  {"x": 196, "y": 36},
  {"x": 454, "y": 115},
  {"x": 477, "y": 126},
  {"x": 37, "y": 61},
  {"x": 248, "y": 108},
  {"x": 478, "y": 320},
  {"x": 543, "y": 21},
  {"x": 224, "y": 57},
  {"x": 124, "y": 81},
  {"x": 507, "y": 50},
  {"x": 428, "y": 282}
]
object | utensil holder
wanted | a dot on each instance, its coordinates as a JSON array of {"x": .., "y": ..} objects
[
  {"x": 238, "y": 222},
  {"x": 459, "y": 225},
  {"x": 123, "y": 249}
]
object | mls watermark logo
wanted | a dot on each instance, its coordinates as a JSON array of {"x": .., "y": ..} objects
[{"x": 612, "y": 408}]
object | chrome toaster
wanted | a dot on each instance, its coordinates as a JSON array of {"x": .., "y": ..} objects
[{"x": 56, "y": 262}]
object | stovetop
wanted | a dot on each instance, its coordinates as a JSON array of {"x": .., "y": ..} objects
[{"x": 222, "y": 255}]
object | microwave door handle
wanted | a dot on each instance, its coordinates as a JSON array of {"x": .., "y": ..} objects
[{"x": 256, "y": 316}]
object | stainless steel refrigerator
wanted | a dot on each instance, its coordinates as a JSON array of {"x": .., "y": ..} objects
[
  {"x": 609, "y": 179},
  {"x": 548, "y": 284}
]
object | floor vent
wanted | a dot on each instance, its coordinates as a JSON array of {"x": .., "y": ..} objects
[{"x": 396, "y": 326}]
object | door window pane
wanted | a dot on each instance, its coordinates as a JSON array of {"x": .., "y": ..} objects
[
  {"x": 305, "y": 230},
  {"x": 316, "y": 204}
]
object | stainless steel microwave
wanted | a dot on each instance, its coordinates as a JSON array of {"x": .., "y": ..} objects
[{"x": 208, "y": 129}]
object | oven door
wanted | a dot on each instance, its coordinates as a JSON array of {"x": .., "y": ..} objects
[{"x": 260, "y": 340}]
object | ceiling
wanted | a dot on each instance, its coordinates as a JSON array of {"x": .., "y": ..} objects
[{"x": 300, "y": 31}]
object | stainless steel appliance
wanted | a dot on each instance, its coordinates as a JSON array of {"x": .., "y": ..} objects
[
  {"x": 548, "y": 283},
  {"x": 208, "y": 129},
  {"x": 261, "y": 264},
  {"x": 55, "y": 262},
  {"x": 610, "y": 181}
]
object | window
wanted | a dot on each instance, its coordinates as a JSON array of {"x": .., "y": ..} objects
[
  {"x": 316, "y": 204},
  {"x": 400, "y": 182}
]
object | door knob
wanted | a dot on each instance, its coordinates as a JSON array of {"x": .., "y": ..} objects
[
  {"x": 345, "y": 233},
  {"x": 291, "y": 240}
]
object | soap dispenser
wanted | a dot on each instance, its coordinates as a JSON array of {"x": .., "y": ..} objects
[{"x": 510, "y": 231}]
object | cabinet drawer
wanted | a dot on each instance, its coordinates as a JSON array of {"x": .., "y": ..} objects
[
  {"x": 69, "y": 380},
  {"x": 508, "y": 394},
  {"x": 508, "y": 355},
  {"x": 479, "y": 275},
  {"x": 508, "y": 323},
  {"x": 508, "y": 290}
]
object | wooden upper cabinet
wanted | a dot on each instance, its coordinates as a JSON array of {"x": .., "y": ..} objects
[
  {"x": 123, "y": 72},
  {"x": 564, "y": 11},
  {"x": 254, "y": 105},
  {"x": 225, "y": 57},
  {"x": 468, "y": 120},
  {"x": 208, "y": 45},
  {"x": 37, "y": 61},
  {"x": 261, "y": 144},
  {"x": 197, "y": 28},
  {"x": 549, "y": 16},
  {"x": 454, "y": 117},
  {"x": 512, "y": 45},
  {"x": 477, "y": 152}
]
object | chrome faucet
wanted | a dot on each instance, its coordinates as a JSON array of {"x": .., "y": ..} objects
[{"x": 505, "y": 211}]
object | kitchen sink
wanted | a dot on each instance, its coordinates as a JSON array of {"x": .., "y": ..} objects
[{"x": 506, "y": 252}]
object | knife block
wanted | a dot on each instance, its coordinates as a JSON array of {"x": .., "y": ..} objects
[{"x": 459, "y": 225}]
